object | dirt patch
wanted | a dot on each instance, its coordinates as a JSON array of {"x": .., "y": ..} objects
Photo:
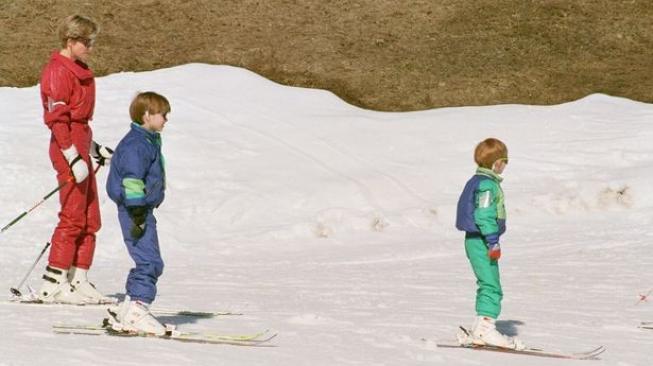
[{"x": 378, "y": 54}]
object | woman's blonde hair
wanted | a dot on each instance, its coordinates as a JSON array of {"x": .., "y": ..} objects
[
  {"x": 149, "y": 102},
  {"x": 489, "y": 151},
  {"x": 77, "y": 27}
]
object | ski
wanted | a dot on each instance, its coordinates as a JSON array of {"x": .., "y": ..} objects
[
  {"x": 154, "y": 310},
  {"x": 14, "y": 300},
  {"x": 589, "y": 355},
  {"x": 100, "y": 328},
  {"x": 464, "y": 341},
  {"x": 259, "y": 339},
  {"x": 646, "y": 325}
]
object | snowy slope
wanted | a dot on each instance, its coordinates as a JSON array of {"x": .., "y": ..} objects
[{"x": 333, "y": 225}]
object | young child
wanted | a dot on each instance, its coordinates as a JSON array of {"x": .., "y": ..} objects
[
  {"x": 68, "y": 99},
  {"x": 482, "y": 215},
  {"x": 136, "y": 184}
]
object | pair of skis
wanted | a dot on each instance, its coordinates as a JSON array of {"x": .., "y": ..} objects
[
  {"x": 260, "y": 339},
  {"x": 589, "y": 355}
]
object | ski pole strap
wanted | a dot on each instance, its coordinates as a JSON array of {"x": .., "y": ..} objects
[{"x": 76, "y": 159}]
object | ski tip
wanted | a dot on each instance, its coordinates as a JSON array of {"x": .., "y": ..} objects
[
  {"x": 271, "y": 336},
  {"x": 593, "y": 353}
]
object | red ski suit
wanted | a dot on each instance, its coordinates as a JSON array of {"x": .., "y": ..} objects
[{"x": 68, "y": 97}]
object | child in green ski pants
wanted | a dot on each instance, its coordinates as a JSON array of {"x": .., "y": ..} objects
[{"x": 481, "y": 215}]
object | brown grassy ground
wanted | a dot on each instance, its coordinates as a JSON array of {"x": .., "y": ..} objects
[{"x": 379, "y": 54}]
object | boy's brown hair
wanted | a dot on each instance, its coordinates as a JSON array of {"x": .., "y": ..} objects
[
  {"x": 77, "y": 27},
  {"x": 489, "y": 151},
  {"x": 149, "y": 102}
]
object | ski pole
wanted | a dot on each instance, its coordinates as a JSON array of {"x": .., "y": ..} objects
[
  {"x": 15, "y": 290},
  {"x": 36, "y": 205},
  {"x": 70, "y": 179}
]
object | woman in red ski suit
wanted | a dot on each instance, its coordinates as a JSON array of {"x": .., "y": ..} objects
[{"x": 68, "y": 98}]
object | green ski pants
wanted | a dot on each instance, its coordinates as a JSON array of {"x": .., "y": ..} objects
[{"x": 489, "y": 293}]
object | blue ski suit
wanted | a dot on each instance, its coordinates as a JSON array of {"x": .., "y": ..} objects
[{"x": 137, "y": 178}]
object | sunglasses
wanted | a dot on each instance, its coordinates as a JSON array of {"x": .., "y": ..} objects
[{"x": 87, "y": 42}]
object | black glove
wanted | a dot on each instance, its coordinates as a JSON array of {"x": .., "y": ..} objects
[
  {"x": 101, "y": 154},
  {"x": 138, "y": 215}
]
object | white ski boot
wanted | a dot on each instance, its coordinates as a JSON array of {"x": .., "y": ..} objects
[
  {"x": 118, "y": 311},
  {"x": 135, "y": 316},
  {"x": 484, "y": 332},
  {"x": 79, "y": 281},
  {"x": 57, "y": 289}
]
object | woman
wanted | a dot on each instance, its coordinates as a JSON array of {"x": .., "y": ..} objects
[{"x": 68, "y": 98}]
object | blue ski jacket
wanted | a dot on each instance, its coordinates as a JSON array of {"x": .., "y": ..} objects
[
  {"x": 481, "y": 210},
  {"x": 137, "y": 175}
]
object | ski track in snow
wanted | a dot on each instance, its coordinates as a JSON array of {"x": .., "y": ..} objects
[{"x": 333, "y": 226}]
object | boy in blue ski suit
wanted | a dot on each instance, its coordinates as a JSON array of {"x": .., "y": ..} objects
[
  {"x": 481, "y": 215},
  {"x": 136, "y": 184}
]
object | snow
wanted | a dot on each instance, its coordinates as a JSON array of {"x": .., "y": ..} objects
[{"x": 333, "y": 226}]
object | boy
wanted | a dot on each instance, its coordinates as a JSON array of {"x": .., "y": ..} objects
[
  {"x": 482, "y": 215},
  {"x": 136, "y": 184},
  {"x": 68, "y": 99}
]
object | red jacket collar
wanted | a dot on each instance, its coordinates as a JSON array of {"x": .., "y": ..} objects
[{"x": 78, "y": 68}]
